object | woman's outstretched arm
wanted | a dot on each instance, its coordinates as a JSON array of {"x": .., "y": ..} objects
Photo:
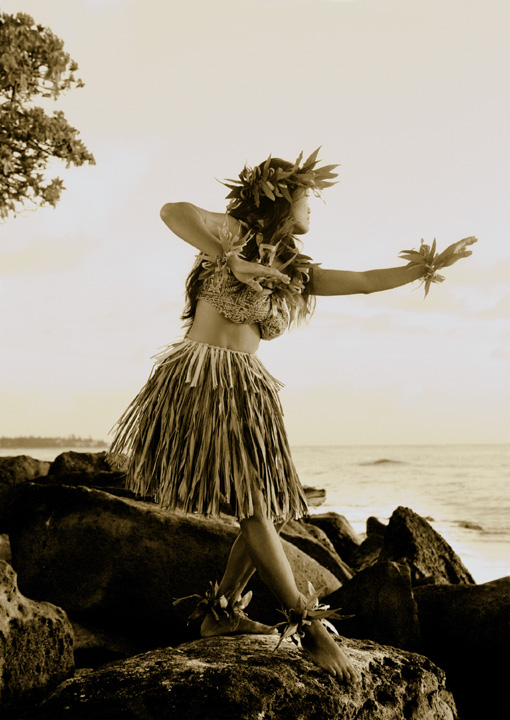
[{"x": 344, "y": 282}]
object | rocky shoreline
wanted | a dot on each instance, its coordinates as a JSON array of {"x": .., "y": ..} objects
[{"x": 88, "y": 629}]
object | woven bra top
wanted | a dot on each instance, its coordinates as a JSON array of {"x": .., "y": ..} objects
[{"x": 241, "y": 304}]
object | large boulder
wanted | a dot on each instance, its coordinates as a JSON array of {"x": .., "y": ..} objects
[
  {"x": 465, "y": 629},
  {"x": 244, "y": 679},
  {"x": 97, "y": 646},
  {"x": 381, "y": 601},
  {"x": 97, "y": 470},
  {"x": 341, "y": 533},
  {"x": 120, "y": 563},
  {"x": 18, "y": 468},
  {"x": 375, "y": 526},
  {"x": 36, "y": 646},
  {"x": 5, "y": 548},
  {"x": 86, "y": 463},
  {"x": 409, "y": 538},
  {"x": 368, "y": 552},
  {"x": 13, "y": 470},
  {"x": 110, "y": 481}
]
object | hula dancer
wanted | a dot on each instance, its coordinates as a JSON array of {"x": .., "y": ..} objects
[{"x": 207, "y": 427}]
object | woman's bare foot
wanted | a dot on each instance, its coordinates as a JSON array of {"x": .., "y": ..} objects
[
  {"x": 326, "y": 653},
  {"x": 237, "y": 624}
]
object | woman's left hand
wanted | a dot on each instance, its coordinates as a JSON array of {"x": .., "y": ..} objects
[
  {"x": 250, "y": 273},
  {"x": 454, "y": 252}
]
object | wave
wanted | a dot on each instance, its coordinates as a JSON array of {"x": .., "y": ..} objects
[
  {"x": 383, "y": 461},
  {"x": 468, "y": 525}
]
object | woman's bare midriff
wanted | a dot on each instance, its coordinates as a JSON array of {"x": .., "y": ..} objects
[{"x": 209, "y": 326}]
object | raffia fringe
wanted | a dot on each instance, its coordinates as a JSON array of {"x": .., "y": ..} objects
[{"x": 208, "y": 427}]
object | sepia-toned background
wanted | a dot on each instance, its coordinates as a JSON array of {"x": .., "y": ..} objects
[{"x": 412, "y": 99}]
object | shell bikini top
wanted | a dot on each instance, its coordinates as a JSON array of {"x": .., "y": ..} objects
[{"x": 241, "y": 304}]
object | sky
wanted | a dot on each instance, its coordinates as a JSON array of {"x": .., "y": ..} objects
[{"x": 411, "y": 99}]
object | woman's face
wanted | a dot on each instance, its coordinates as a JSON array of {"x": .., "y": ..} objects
[{"x": 301, "y": 212}]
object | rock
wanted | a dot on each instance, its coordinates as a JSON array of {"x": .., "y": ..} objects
[
  {"x": 14, "y": 470},
  {"x": 314, "y": 496},
  {"x": 320, "y": 536},
  {"x": 118, "y": 564},
  {"x": 111, "y": 482},
  {"x": 19, "y": 468},
  {"x": 36, "y": 646},
  {"x": 244, "y": 679},
  {"x": 381, "y": 600},
  {"x": 470, "y": 525},
  {"x": 465, "y": 629},
  {"x": 375, "y": 526},
  {"x": 409, "y": 537},
  {"x": 299, "y": 535},
  {"x": 5, "y": 548},
  {"x": 368, "y": 552},
  {"x": 94, "y": 647},
  {"x": 86, "y": 462},
  {"x": 98, "y": 470},
  {"x": 341, "y": 533}
]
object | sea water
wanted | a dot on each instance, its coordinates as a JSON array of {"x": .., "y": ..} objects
[{"x": 462, "y": 490}]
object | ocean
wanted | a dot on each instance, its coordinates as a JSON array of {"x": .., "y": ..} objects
[{"x": 462, "y": 490}]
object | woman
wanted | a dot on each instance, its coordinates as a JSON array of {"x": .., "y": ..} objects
[{"x": 207, "y": 427}]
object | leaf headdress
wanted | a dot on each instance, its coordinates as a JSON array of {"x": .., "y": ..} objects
[{"x": 271, "y": 182}]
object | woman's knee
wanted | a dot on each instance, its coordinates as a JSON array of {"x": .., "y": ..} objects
[
  {"x": 258, "y": 518},
  {"x": 261, "y": 516}
]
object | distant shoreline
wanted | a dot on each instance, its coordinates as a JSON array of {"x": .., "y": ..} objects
[{"x": 33, "y": 443}]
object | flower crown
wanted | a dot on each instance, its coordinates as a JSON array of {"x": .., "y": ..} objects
[{"x": 266, "y": 181}]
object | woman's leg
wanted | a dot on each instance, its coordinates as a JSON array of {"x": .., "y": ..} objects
[
  {"x": 266, "y": 551},
  {"x": 259, "y": 541},
  {"x": 240, "y": 567},
  {"x": 239, "y": 570}
]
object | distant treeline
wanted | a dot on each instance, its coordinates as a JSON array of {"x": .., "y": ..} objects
[{"x": 39, "y": 442}]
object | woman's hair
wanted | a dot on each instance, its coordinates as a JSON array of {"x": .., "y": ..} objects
[{"x": 268, "y": 220}]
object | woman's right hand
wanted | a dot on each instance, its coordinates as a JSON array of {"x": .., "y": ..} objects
[
  {"x": 454, "y": 252},
  {"x": 249, "y": 273}
]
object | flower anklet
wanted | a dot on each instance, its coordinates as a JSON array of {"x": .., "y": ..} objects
[
  {"x": 298, "y": 621},
  {"x": 212, "y": 603}
]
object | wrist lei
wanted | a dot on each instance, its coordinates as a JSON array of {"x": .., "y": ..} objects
[
  {"x": 217, "y": 267},
  {"x": 427, "y": 260}
]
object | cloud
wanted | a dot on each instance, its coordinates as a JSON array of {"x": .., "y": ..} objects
[
  {"x": 92, "y": 289},
  {"x": 47, "y": 255},
  {"x": 395, "y": 414}
]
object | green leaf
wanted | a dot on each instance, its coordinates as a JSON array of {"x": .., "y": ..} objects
[
  {"x": 266, "y": 167},
  {"x": 286, "y": 193},
  {"x": 267, "y": 190},
  {"x": 312, "y": 159},
  {"x": 327, "y": 169}
]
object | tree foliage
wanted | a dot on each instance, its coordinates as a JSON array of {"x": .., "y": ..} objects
[{"x": 33, "y": 63}]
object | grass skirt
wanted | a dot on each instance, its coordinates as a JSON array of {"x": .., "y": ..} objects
[{"x": 207, "y": 428}]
